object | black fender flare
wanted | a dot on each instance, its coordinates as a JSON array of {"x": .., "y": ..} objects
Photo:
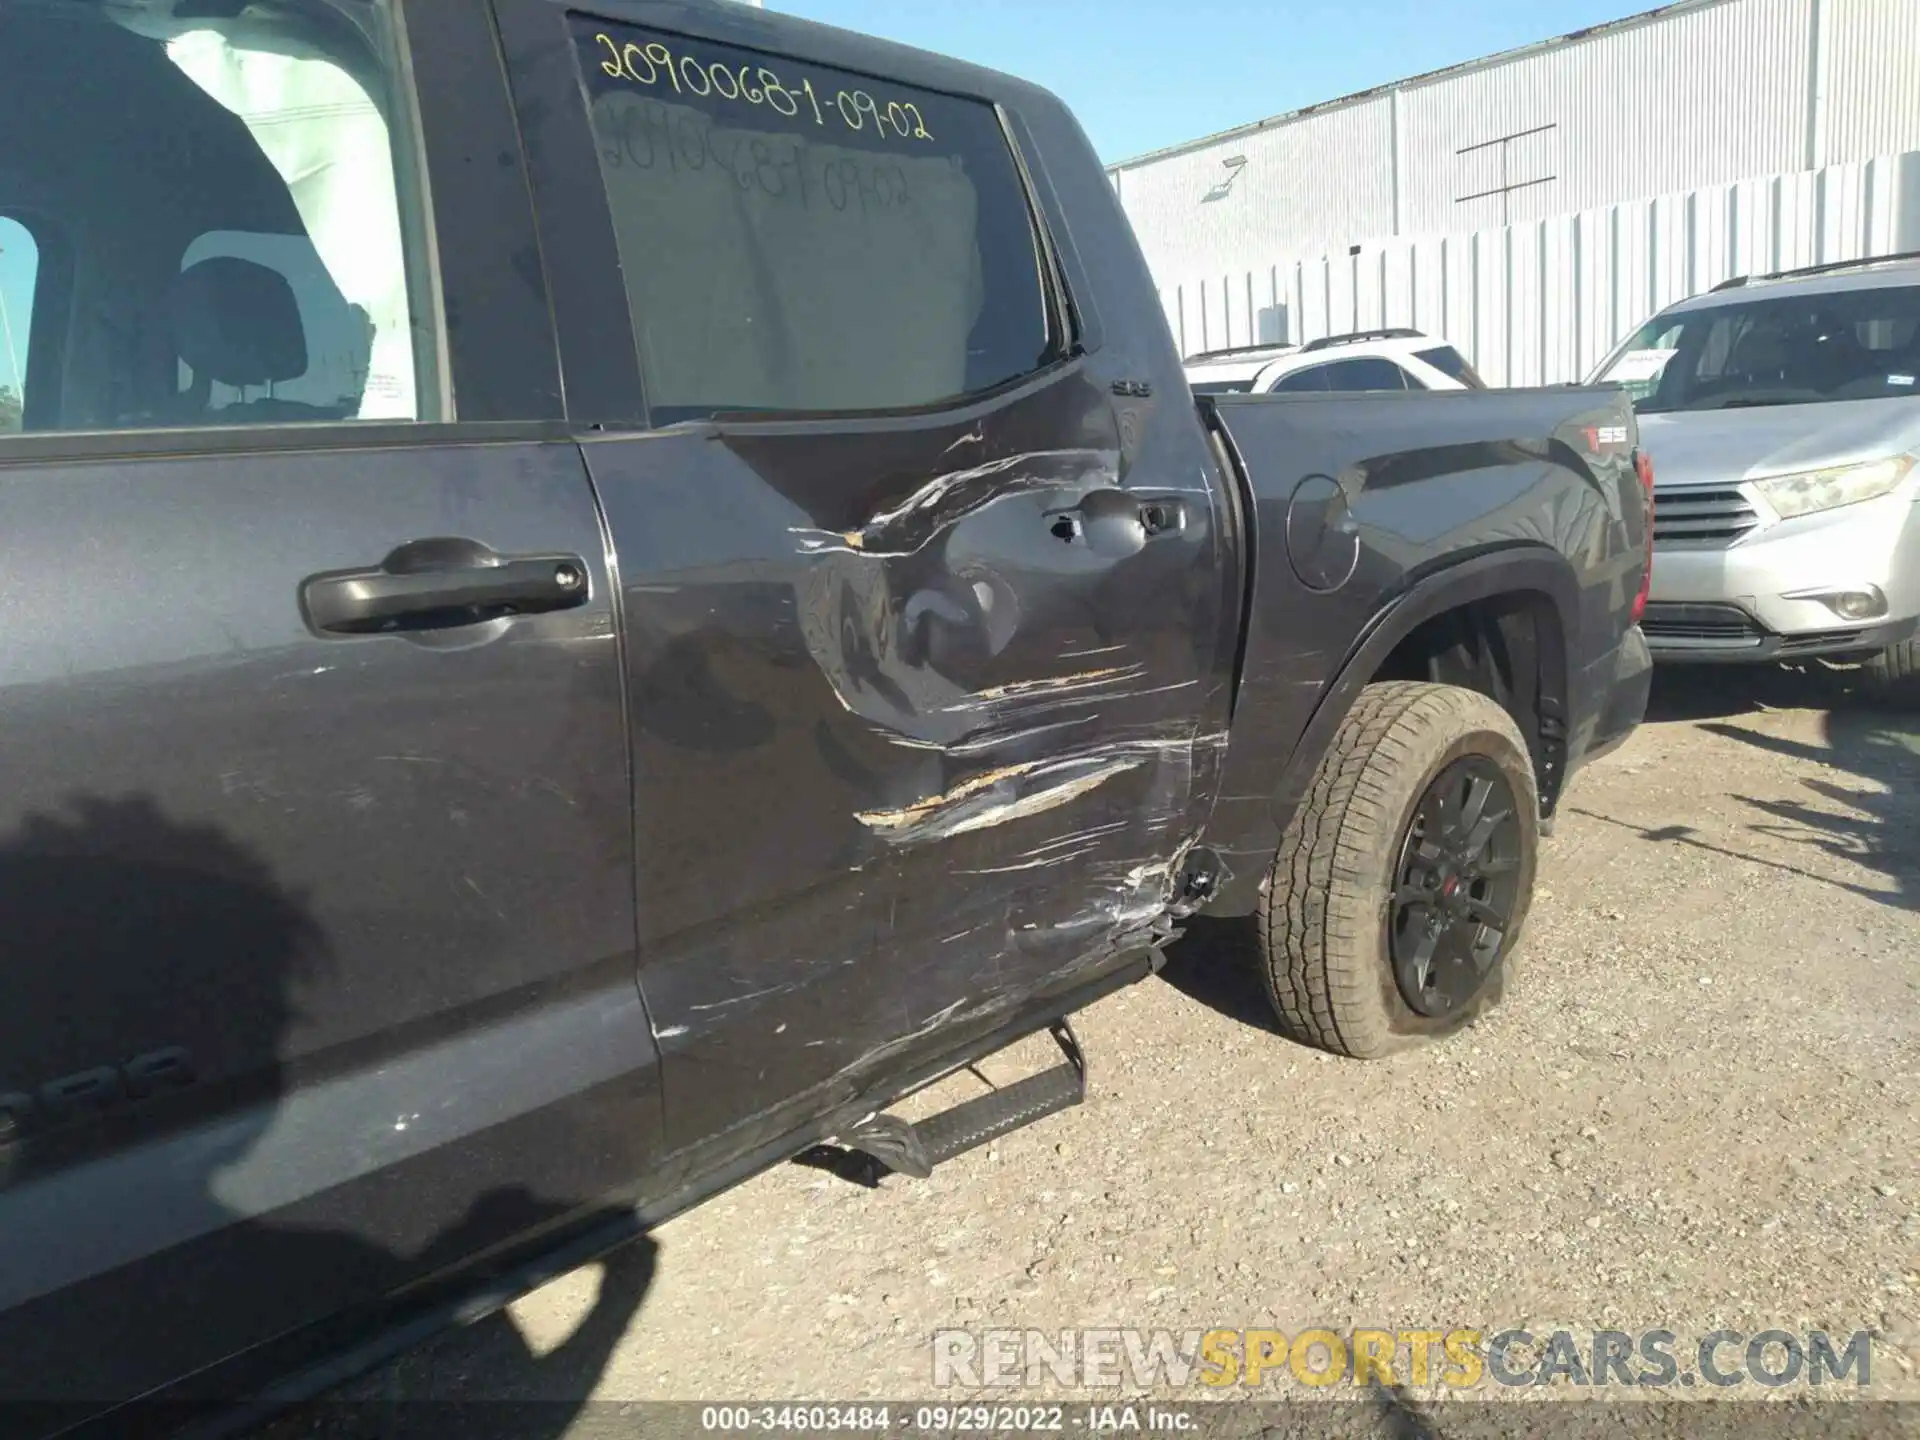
[
  {"x": 1535, "y": 570},
  {"x": 1526, "y": 569}
]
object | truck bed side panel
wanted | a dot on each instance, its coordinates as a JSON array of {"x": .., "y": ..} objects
[{"x": 1358, "y": 502}]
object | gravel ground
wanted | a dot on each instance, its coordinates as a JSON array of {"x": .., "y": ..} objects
[{"x": 1696, "y": 1110}]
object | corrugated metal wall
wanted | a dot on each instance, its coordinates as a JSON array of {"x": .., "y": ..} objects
[
  {"x": 1872, "y": 102},
  {"x": 1698, "y": 95},
  {"x": 1542, "y": 301},
  {"x": 1638, "y": 111},
  {"x": 1298, "y": 179}
]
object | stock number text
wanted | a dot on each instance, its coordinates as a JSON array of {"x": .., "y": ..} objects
[
  {"x": 796, "y": 1417},
  {"x": 647, "y": 136},
  {"x": 656, "y": 66}
]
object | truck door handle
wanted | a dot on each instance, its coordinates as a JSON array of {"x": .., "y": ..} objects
[
  {"x": 1116, "y": 523},
  {"x": 398, "y": 596}
]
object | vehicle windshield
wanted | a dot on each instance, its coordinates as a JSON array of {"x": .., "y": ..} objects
[{"x": 1790, "y": 350}]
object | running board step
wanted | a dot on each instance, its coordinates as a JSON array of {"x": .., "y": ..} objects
[{"x": 914, "y": 1149}]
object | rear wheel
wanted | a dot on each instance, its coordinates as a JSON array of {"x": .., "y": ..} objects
[{"x": 1403, "y": 880}]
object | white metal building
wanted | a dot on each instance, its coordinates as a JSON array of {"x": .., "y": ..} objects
[{"x": 1536, "y": 205}]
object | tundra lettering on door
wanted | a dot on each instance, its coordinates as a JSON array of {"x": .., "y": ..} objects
[{"x": 71, "y": 1098}]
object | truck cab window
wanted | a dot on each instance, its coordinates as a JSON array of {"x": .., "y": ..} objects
[
  {"x": 225, "y": 191},
  {"x": 19, "y": 271},
  {"x": 796, "y": 238}
]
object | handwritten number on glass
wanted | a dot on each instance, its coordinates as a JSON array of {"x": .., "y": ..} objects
[
  {"x": 654, "y": 64},
  {"x": 645, "y": 134}
]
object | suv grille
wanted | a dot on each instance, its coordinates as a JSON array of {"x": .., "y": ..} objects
[
  {"x": 1701, "y": 519},
  {"x": 1717, "y": 624}
]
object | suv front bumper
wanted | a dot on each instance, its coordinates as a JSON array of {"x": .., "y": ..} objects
[
  {"x": 1721, "y": 633},
  {"x": 1749, "y": 601}
]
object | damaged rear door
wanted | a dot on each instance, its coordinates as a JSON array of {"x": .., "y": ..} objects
[{"x": 915, "y": 658}]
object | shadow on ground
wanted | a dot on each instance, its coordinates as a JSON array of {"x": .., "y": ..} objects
[
  {"x": 487, "y": 1380},
  {"x": 1217, "y": 963},
  {"x": 1715, "y": 692},
  {"x": 1864, "y": 808}
]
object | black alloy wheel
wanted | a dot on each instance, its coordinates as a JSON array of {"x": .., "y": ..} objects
[
  {"x": 1400, "y": 890},
  {"x": 1457, "y": 882}
]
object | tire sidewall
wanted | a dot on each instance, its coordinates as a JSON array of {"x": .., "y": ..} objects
[{"x": 1893, "y": 675}]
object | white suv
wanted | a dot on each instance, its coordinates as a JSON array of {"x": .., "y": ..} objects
[{"x": 1369, "y": 360}]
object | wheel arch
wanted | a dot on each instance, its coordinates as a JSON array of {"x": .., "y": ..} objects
[{"x": 1532, "y": 579}]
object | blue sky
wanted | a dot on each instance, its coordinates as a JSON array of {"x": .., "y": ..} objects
[{"x": 1146, "y": 73}]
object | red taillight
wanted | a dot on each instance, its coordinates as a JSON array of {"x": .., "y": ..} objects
[{"x": 1643, "y": 465}]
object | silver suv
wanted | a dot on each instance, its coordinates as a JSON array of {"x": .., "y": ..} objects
[{"x": 1782, "y": 414}]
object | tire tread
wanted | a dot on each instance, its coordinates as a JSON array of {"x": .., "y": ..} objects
[{"x": 1322, "y": 902}]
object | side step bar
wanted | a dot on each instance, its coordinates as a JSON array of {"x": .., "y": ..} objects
[{"x": 914, "y": 1149}]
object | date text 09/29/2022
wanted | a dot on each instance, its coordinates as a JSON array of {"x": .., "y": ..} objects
[{"x": 944, "y": 1419}]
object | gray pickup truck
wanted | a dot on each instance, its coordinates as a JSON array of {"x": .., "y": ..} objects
[{"x": 596, "y": 593}]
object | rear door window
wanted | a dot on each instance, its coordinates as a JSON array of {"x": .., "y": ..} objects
[
  {"x": 1451, "y": 363},
  {"x": 19, "y": 271},
  {"x": 1312, "y": 378},
  {"x": 1369, "y": 372},
  {"x": 796, "y": 238}
]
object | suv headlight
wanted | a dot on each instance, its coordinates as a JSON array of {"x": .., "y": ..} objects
[{"x": 1813, "y": 490}]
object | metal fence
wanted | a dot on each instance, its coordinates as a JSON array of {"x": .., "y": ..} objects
[{"x": 1542, "y": 302}]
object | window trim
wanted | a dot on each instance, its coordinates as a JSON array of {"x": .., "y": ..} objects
[
  {"x": 419, "y": 228},
  {"x": 597, "y": 344},
  {"x": 575, "y": 219},
  {"x": 1089, "y": 331},
  {"x": 185, "y": 443},
  {"x": 978, "y": 405},
  {"x": 504, "y": 355},
  {"x": 1066, "y": 328}
]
